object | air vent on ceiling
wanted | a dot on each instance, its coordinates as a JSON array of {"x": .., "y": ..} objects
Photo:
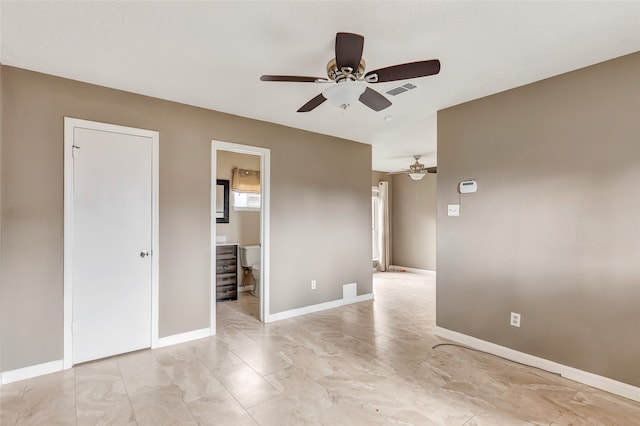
[{"x": 401, "y": 89}]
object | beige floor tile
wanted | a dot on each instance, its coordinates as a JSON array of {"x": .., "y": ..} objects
[
  {"x": 161, "y": 406},
  {"x": 261, "y": 359},
  {"x": 10, "y": 401},
  {"x": 141, "y": 373},
  {"x": 193, "y": 379},
  {"x": 215, "y": 354},
  {"x": 175, "y": 353},
  {"x": 49, "y": 399},
  {"x": 410, "y": 417},
  {"x": 101, "y": 395},
  {"x": 282, "y": 412},
  {"x": 232, "y": 336},
  {"x": 220, "y": 409},
  {"x": 309, "y": 396},
  {"x": 304, "y": 358},
  {"x": 603, "y": 407},
  {"x": 246, "y": 386},
  {"x": 370, "y": 363}
]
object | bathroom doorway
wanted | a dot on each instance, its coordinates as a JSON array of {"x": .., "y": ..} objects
[{"x": 240, "y": 231}]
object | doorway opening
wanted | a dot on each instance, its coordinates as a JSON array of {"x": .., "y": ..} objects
[{"x": 240, "y": 227}]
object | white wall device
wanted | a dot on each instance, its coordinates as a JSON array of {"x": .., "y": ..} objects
[
  {"x": 467, "y": 186},
  {"x": 453, "y": 210}
]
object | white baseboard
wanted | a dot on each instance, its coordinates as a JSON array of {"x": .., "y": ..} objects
[
  {"x": 348, "y": 297},
  {"x": 396, "y": 268},
  {"x": 31, "y": 371},
  {"x": 593, "y": 380},
  {"x": 184, "y": 337},
  {"x": 55, "y": 366}
]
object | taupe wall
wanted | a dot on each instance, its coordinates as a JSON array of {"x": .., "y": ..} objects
[
  {"x": 414, "y": 222},
  {"x": 377, "y": 176},
  {"x": 320, "y": 209},
  {"x": 244, "y": 226},
  {"x": 553, "y": 232}
]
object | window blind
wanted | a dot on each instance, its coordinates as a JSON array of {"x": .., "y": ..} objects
[{"x": 244, "y": 180}]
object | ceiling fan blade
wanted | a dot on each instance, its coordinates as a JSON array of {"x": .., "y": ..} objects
[
  {"x": 292, "y": 78},
  {"x": 374, "y": 100},
  {"x": 312, "y": 104},
  {"x": 349, "y": 50},
  {"x": 433, "y": 169},
  {"x": 404, "y": 71}
]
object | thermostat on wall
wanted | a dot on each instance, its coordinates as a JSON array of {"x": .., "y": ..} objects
[{"x": 467, "y": 186}]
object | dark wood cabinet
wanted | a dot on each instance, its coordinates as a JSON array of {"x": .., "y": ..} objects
[{"x": 227, "y": 272}]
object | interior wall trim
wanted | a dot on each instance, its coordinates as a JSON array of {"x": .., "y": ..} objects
[
  {"x": 183, "y": 337},
  {"x": 292, "y": 313},
  {"x": 396, "y": 268},
  {"x": 31, "y": 371},
  {"x": 265, "y": 225},
  {"x": 580, "y": 376}
]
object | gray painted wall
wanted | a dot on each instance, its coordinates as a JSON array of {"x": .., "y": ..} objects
[
  {"x": 320, "y": 209},
  {"x": 414, "y": 222},
  {"x": 553, "y": 232}
]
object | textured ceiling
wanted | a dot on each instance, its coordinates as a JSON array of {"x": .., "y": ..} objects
[{"x": 211, "y": 54}]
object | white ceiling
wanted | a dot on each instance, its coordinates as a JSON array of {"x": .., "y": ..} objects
[{"x": 211, "y": 54}]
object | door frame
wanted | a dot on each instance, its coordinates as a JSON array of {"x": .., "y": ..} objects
[
  {"x": 265, "y": 220},
  {"x": 69, "y": 125}
]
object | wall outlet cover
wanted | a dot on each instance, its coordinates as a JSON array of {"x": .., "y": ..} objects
[
  {"x": 515, "y": 319},
  {"x": 453, "y": 210}
]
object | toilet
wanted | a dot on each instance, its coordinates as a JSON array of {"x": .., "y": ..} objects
[{"x": 250, "y": 259}]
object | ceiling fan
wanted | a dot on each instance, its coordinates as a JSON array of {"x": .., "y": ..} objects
[
  {"x": 417, "y": 170},
  {"x": 347, "y": 78}
]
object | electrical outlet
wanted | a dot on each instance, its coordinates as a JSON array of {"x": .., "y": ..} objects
[
  {"x": 313, "y": 284},
  {"x": 515, "y": 319}
]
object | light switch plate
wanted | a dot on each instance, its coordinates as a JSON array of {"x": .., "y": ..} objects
[{"x": 453, "y": 210}]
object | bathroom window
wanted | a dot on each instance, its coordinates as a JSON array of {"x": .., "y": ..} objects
[{"x": 246, "y": 201}]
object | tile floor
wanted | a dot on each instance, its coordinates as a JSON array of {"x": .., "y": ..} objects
[{"x": 363, "y": 364}]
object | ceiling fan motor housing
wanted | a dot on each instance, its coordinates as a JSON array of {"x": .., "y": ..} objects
[{"x": 346, "y": 72}]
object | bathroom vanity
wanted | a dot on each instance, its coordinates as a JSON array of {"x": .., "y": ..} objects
[{"x": 226, "y": 272}]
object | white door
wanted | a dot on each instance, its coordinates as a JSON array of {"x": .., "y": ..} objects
[{"x": 112, "y": 232}]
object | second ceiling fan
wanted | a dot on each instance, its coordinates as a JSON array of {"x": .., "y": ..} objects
[
  {"x": 417, "y": 170},
  {"x": 346, "y": 74}
]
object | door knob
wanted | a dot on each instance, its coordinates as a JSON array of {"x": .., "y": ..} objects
[{"x": 144, "y": 253}]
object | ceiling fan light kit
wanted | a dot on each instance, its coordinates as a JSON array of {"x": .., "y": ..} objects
[
  {"x": 417, "y": 170},
  {"x": 346, "y": 75},
  {"x": 344, "y": 94}
]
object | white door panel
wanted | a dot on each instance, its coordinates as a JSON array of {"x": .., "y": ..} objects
[{"x": 112, "y": 215}]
